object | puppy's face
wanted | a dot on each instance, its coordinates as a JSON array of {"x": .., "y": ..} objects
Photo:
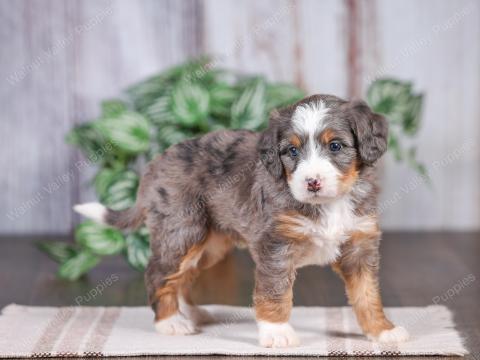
[
  {"x": 319, "y": 155},
  {"x": 319, "y": 145}
]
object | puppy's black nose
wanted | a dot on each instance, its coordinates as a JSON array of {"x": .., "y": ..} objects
[{"x": 313, "y": 185}]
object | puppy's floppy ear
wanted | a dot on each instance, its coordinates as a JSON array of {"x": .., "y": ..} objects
[
  {"x": 268, "y": 147},
  {"x": 371, "y": 131}
]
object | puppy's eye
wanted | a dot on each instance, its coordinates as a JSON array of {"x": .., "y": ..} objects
[
  {"x": 293, "y": 151},
  {"x": 335, "y": 146}
]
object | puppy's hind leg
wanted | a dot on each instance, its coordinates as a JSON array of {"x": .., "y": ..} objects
[
  {"x": 163, "y": 296},
  {"x": 172, "y": 267},
  {"x": 215, "y": 247}
]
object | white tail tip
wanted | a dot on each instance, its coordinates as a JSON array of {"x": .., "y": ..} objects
[{"x": 94, "y": 211}]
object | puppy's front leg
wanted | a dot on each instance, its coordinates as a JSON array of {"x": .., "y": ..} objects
[
  {"x": 273, "y": 302},
  {"x": 358, "y": 267}
]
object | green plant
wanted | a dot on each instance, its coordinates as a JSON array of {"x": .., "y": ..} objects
[
  {"x": 402, "y": 107},
  {"x": 182, "y": 102}
]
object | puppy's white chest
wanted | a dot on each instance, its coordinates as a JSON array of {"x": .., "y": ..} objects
[
  {"x": 325, "y": 240},
  {"x": 329, "y": 232}
]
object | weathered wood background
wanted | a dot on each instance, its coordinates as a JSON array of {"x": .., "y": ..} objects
[{"x": 59, "y": 58}]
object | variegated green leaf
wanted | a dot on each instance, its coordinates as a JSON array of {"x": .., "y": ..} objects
[
  {"x": 396, "y": 100},
  {"x": 146, "y": 92},
  {"x": 402, "y": 108},
  {"x": 78, "y": 265},
  {"x": 91, "y": 141},
  {"x": 171, "y": 134},
  {"x": 119, "y": 190},
  {"x": 103, "y": 180},
  {"x": 411, "y": 120},
  {"x": 138, "y": 249},
  {"x": 394, "y": 146},
  {"x": 99, "y": 239},
  {"x": 190, "y": 105},
  {"x": 249, "y": 110},
  {"x": 222, "y": 96},
  {"x": 113, "y": 108},
  {"x": 160, "y": 111},
  {"x": 130, "y": 131},
  {"x": 58, "y": 251}
]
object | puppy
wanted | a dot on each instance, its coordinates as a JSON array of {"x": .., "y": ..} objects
[{"x": 301, "y": 192}]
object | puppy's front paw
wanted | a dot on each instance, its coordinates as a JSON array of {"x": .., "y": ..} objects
[
  {"x": 277, "y": 335},
  {"x": 397, "y": 334},
  {"x": 176, "y": 324}
]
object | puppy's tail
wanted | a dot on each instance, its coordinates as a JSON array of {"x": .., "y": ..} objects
[{"x": 124, "y": 219}]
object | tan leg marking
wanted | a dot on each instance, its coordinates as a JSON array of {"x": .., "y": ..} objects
[
  {"x": 201, "y": 256},
  {"x": 167, "y": 296},
  {"x": 272, "y": 314},
  {"x": 364, "y": 296},
  {"x": 361, "y": 284},
  {"x": 274, "y": 310}
]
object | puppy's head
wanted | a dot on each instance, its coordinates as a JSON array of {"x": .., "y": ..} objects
[{"x": 319, "y": 145}]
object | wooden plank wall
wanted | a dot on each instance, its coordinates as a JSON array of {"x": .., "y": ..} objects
[{"x": 59, "y": 59}]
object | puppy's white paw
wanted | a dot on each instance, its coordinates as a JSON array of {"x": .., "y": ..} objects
[
  {"x": 176, "y": 324},
  {"x": 277, "y": 335},
  {"x": 397, "y": 334}
]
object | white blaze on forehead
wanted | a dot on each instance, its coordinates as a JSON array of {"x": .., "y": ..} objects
[{"x": 308, "y": 118}]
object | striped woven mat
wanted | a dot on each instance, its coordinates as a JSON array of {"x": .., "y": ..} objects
[{"x": 128, "y": 331}]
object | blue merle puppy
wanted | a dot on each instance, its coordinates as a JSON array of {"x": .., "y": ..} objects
[{"x": 301, "y": 192}]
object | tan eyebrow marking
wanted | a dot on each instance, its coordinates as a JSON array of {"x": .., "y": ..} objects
[
  {"x": 327, "y": 135},
  {"x": 295, "y": 141}
]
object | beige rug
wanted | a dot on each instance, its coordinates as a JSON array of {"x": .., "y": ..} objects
[{"x": 112, "y": 331}]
